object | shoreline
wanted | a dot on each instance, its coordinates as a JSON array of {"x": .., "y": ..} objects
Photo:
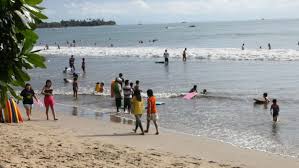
[{"x": 210, "y": 152}]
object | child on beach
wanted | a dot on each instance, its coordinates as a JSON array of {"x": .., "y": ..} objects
[
  {"x": 137, "y": 110},
  {"x": 127, "y": 96},
  {"x": 75, "y": 87},
  {"x": 151, "y": 111},
  {"x": 274, "y": 110},
  {"x": 49, "y": 98},
  {"x": 28, "y": 95}
]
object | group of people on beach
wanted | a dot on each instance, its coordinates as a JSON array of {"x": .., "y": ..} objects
[
  {"x": 133, "y": 103},
  {"x": 28, "y": 94}
]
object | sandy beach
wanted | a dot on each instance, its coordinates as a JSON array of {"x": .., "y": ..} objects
[{"x": 82, "y": 142}]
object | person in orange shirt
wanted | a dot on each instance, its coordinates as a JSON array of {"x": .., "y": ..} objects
[{"x": 151, "y": 111}]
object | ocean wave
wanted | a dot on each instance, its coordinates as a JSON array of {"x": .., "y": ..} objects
[{"x": 194, "y": 53}]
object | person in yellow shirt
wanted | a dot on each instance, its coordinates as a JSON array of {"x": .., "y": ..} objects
[
  {"x": 137, "y": 110},
  {"x": 99, "y": 87}
]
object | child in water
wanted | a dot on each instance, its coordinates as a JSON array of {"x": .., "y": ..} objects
[
  {"x": 274, "y": 110},
  {"x": 194, "y": 89},
  {"x": 265, "y": 96},
  {"x": 99, "y": 87},
  {"x": 75, "y": 87},
  {"x": 151, "y": 111}
]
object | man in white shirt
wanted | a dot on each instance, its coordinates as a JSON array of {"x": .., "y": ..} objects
[{"x": 166, "y": 55}]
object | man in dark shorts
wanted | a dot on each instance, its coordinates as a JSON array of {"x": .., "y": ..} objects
[{"x": 72, "y": 63}]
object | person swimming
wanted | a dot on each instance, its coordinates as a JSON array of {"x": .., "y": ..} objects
[
  {"x": 204, "y": 92},
  {"x": 65, "y": 70},
  {"x": 194, "y": 89}
]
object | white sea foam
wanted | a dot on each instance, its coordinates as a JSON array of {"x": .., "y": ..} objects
[{"x": 194, "y": 53}]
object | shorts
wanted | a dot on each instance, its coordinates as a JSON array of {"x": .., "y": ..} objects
[
  {"x": 75, "y": 89},
  {"x": 166, "y": 59},
  {"x": 152, "y": 116},
  {"x": 275, "y": 114},
  {"x": 49, "y": 101},
  {"x": 118, "y": 102},
  {"x": 127, "y": 103},
  {"x": 27, "y": 106}
]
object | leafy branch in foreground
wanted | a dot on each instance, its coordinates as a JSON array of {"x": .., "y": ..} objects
[{"x": 18, "y": 20}]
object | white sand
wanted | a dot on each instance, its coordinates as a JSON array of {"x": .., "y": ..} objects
[{"x": 81, "y": 142}]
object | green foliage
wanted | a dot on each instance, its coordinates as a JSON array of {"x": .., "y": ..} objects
[
  {"x": 74, "y": 23},
  {"x": 18, "y": 20}
]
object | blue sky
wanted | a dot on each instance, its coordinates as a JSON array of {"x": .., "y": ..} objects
[{"x": 169, "y": 11}]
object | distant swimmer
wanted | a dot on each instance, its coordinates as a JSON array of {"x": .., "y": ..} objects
[
  {"x": 269, "y": 46},
  {"x": 75, "y": 75},
  {"x": 194, "y": 89},
  {"x": 264, "y": 101},
  {"x": 260, "y": 47},
  {"x": 47, "y": 47},
  {"x": 111, "y": 45},
  {"x": 67, "y": 80},
  {"x": 274, "y": 110},
  {"x": 65, "y": 70},
  {"x": 166, "y": 57},
  {"x": 204, "y": 92},
  {"x": 58, "y": 47},
  {"x": 185, "y": 55},
  {"x": 243, "y": 46}
]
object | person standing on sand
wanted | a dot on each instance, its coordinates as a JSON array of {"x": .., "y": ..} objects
[
  {"x": 72, "y": 63},
  {"x": 274, "y": 110},
  {"x": 117, "y": 89},
  {"x": 49, "y": 98},
  {"x": 151, "y": 111},
  {"x": 127, "y": 96},
  {"x": 185, "y": 55},
  {"x": 137, "y": 110},
  {"x": 166, "y": 55},
  {"x": 83, "y": 65},
  {"x": 28, "y": 95}
]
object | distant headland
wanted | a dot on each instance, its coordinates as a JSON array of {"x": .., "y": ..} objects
[{"x": 76, "y": 23}]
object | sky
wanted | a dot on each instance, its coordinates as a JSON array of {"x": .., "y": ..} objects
[{"x": 170, "y": 11}]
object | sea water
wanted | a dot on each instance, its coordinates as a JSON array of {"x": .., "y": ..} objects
[{"x": 215, "y": 62}]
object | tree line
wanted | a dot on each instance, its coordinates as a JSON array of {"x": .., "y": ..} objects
[{"x": 76, "y": 23}]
